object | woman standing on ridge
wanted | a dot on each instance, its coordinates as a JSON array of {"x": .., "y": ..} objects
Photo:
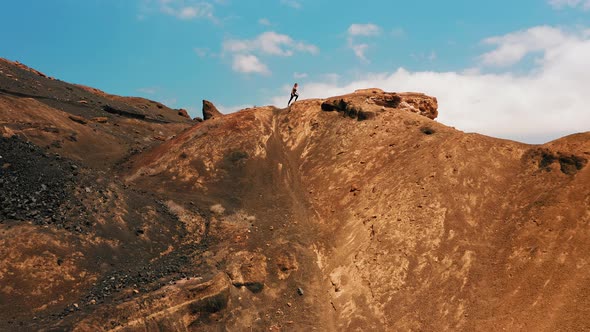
[{"x": 293, "y": 94}]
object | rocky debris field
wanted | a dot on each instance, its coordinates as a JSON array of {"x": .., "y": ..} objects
[
  {"x": 33, "y": 184},
  {"x": 125, "y": 284}
]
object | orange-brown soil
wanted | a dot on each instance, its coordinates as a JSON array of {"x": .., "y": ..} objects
[{"x": 354, "y": 213}]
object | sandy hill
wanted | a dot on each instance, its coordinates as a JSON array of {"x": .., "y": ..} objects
[{"x": 357, "y": 212}]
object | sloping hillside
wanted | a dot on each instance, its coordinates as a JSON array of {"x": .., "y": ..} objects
[
  {"x": 393, "y": 223},
  {"x": 357, "y": 212}
]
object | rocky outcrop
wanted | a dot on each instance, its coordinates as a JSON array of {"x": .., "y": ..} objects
[
  {"x": 366, "y": 104},
  {"x": 6, "y": 132},
  {"x": 78, "y": 119},
  {"x": 100, "y": 119},
  {"x": 549, "y": 160},
  {"x": 348, "y": 109},
  {"x": 183, "y": 113},
  {"x": 419, "y": 103},
  {"x": 172, "y": 308},
  {"x": 126, "y": 113},
  {"x": 210, "y": 111},
  {"x": 248, "y": 269},
  {"x": 286, "y": 264}
]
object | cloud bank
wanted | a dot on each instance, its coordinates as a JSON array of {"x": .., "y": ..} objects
[
  {"x": 546, "y": 102},
  {"x": 246, "y": 52}
]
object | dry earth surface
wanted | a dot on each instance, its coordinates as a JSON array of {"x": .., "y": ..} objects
[{"x": 353, "y": 213}]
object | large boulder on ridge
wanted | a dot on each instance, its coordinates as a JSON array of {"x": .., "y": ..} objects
[
  {"x": 210, "y": 111},
  {"x": 365, "y": 104}
]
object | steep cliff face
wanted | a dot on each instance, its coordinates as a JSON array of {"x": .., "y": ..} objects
[
  {"x": 396, "y": 222},
  {"x": 357, "y": 212}
]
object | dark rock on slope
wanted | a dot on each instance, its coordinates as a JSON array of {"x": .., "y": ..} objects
[
  {"x": 210, "y": 111},
  {"x": 367, "y": 103},
  {"x": 33, "y": 185}
]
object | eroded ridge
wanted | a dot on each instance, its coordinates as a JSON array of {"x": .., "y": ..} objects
[{"x": 294, "y": 219}]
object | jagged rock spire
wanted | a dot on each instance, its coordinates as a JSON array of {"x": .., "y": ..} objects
[{"x": 210, "y": 111}]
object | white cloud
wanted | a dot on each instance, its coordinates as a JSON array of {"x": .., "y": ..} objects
[
  {"x": 368, "y": 29},
  {"x": 513, "y": 47},
  {"x": 292, "y": 3},
  {"x": 357, "y": 30},
  {"x": 299, "y": 75},
  {"x": 188, "y": 12},
  {"x": 270, "y": 43},
  {"x": 360, "y": 50},
  {"x": 181, "y": 9},
  {"x": 584, "y": 4},
  {"x": 548, "y": 102},
  {"x": 264, "y": 21},
  {"x": 248, "y": 63},
  {"x": 333, "y": 78}
]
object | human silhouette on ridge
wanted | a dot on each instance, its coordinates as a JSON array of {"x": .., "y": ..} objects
[{"x": 293, "y": 94}]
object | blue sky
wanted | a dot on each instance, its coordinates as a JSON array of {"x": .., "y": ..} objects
[{"x": 511, "y": 69}]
